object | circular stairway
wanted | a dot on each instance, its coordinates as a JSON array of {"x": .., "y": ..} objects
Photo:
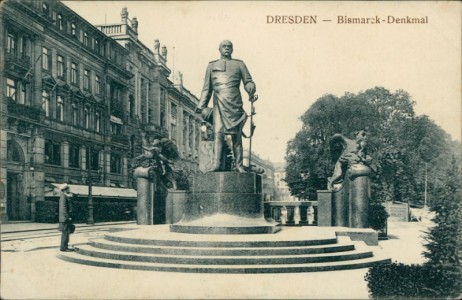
[{"x": 293, "y": 249}]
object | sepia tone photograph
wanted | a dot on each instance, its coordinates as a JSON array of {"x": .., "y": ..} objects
[{"x": 230, "y": 149}]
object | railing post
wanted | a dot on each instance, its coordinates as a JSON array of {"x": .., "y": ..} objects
[
  {"x": 267, "y": 210},
  {"x": 315, "y": 215},
  {"x": 290, "y": 215},
  {"x": 276, "y": 211},
  {"x": 303, "y": 215}
]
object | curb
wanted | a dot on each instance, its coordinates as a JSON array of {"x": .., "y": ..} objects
[{"x": 77, "y": 226}]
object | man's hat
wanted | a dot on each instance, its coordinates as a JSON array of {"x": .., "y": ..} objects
[
  {"x": 207, "y": 115},
  {"x": 64, "y": 186}
]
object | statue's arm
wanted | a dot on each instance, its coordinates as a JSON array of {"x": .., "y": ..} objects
[
  {"x": 207, "y": 90},
  {"x": 249, "y": 85}
]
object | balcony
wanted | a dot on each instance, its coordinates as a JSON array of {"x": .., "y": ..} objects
[
  {"x": 20, "y": 64},
  {"x": 23, "y": 111}
]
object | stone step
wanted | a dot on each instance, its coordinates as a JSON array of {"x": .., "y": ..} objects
[
  {"x": 223, "y": 260},
  {"x": 161, "y": 236},
  {"x": 275, "y": 268},
  {"x": 222, "y": 251}
]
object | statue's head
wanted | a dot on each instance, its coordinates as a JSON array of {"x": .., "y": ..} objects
[{"x": 226, "y": 48}]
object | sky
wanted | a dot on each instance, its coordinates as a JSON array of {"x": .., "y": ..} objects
[{"x": 295, "y": 64}]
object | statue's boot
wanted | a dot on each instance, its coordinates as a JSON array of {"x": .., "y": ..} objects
[
  {"x": 217, "y": 160},
  {"x": 238, "y": 152}
]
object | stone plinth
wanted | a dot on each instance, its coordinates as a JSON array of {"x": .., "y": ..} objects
[
  {"x": 225, "y": 203},
  {"x": 347, "y": 206},
  {"x": 175, "y": 206}
]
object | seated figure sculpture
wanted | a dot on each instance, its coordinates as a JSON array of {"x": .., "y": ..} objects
[
  {"x": 351, "y": 155},
  {"x": 159, "y": 154}
]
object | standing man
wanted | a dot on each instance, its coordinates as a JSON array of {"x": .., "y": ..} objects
[
  {"x": 223, "y": 78},
  {"x": 65, "y": 216}
]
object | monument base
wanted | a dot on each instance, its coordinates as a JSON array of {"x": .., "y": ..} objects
[
  {"x": 225, "y": 203},
  {"x": 292, "y": 250},
  {"x": 226, "y": 224}
]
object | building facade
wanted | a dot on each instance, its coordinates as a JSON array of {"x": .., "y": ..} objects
[
  {"x": 153, "y": 97},
  {"x": 281, "y": 190},
  {"x": 74, "y": 99}
]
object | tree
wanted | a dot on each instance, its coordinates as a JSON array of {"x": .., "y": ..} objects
[
  {"x": 400, "y": 143},
  {"x": 444, "y": 239}
]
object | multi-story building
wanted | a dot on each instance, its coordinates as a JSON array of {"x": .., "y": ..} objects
[
  {"x": 74, "y": 98},
  {"x": 153, "y": 97},
  {"x": 65, "y": 101},
  {"x": 280, "y": 186}
]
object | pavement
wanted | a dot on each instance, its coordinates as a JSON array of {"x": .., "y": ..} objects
[{"x": 31, "y": 270}]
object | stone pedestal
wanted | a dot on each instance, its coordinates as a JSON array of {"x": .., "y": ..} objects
[
  {"x": 225, "y": 203},
  {"x": 145, "y": 197},
  {"x": 175, "y": 206},
  {"x": 349, "y": 205}
]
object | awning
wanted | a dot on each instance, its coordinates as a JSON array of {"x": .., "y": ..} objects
[
  {"x": 96, "y": 191},
  {"x": 116, "y": 120}
]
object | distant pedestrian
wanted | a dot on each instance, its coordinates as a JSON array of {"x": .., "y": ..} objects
[{"x": 65, "y": 217}]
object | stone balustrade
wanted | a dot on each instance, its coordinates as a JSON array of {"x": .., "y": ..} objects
[{"x": 296, "y": 212}]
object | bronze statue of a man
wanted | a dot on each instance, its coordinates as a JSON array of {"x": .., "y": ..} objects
[{"x": 223, "y": 78}]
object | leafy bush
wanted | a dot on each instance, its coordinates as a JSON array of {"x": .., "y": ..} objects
[
  {"x": 410, "y": 281},
  {"x": 377, "y": 216}
]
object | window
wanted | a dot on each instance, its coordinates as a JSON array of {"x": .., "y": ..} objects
[
  {"x": 98, "y": 121},
  {"x": 116, "y": 166},
  {"x": 86, "y": 79},
  {"x": 59, "y": 108},
  {"x": 86, "y": 39},
  {"x": 74, "y": 73},
  {"x": 73, "y": 29},
  {"x": 45, "y": 9},
  {"x": 150, "y": 116},
  {"x": 11, "y": 88},
  {"x": 59, "y": 22},
  {"x": 92, "y": 159},
  {"x": 74, "y": 156},
  {"x": 173, "y": 114},
  {"x": 131, "y": 105},
  {"x": 60, "y": 66},
  {"x": 52, "y": 153},
  {"x": 11, "y": 44},
  {"x": 24, "y": 43},
  {"x": 97, "y": 85},
  {"x": 75, "y": 114},
  {"x": 22, "y": 93},
  {"x": 46, "y": 102},
  {"x": 96, "y": 45},
  {"x": 116, "y": 129},
  {"x": 46, "y": 61},
  {"x": 86, "y": 117}
]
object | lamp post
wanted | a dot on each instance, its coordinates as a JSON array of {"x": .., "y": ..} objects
[{"x": 90, "y": 219}]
